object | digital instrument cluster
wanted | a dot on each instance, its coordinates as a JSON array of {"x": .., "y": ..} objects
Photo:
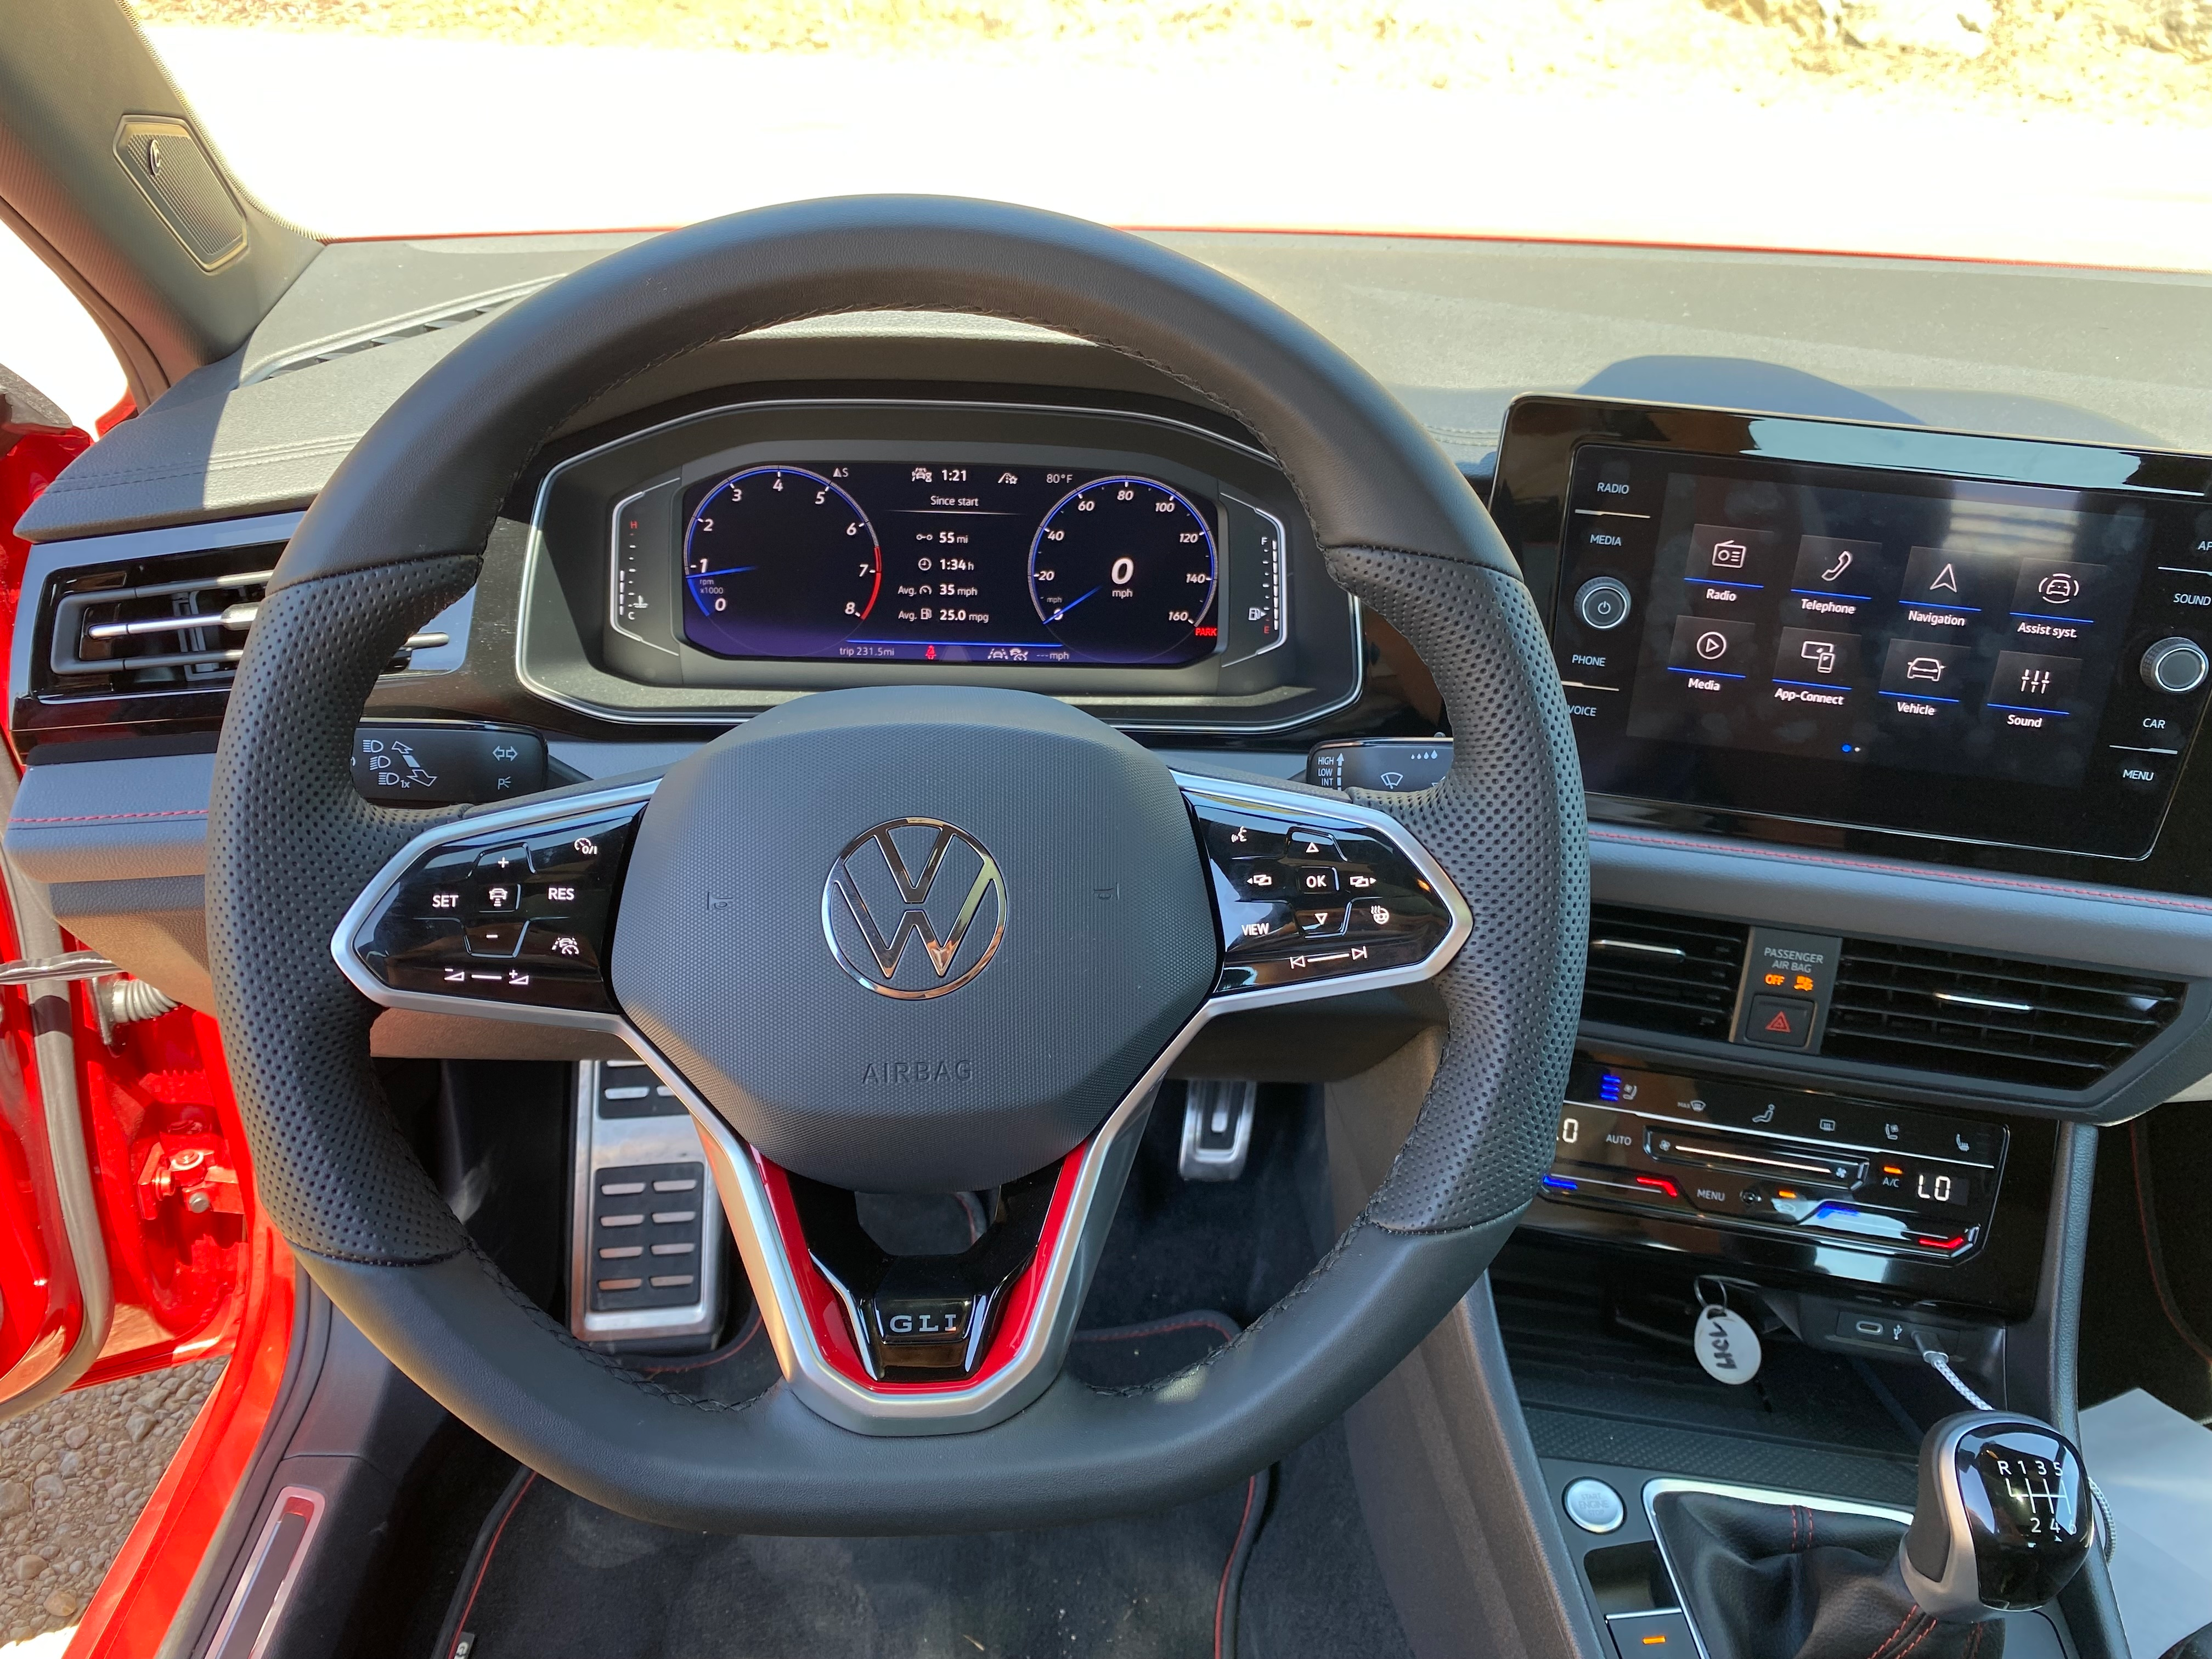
[
  {"x": 1981, "y": 639},
  {"x": 976, "y": 562},
  {"x": 1157, "y": 573}
]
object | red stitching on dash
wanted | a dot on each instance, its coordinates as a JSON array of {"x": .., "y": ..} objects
[
  {"x": 118, "y": 817},
  {"x": 2111, "y": 896}
]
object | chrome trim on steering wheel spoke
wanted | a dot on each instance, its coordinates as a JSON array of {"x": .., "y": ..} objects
[{"x": 1067, "y": 1266}]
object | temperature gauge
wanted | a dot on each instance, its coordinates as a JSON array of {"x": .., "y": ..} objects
[{"x": 640, "y": 602}]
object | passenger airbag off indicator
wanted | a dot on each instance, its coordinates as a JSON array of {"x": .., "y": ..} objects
[{"x": 1787, "y": 981}]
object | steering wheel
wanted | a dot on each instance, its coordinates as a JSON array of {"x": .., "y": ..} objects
[{"x": 934, "y": 939}]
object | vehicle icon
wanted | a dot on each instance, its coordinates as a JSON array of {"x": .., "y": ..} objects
[
  {"x": 1729, "y": 556},
  {"x": 1924, "y": 668},
  {"x": 1712, "y": 645}
]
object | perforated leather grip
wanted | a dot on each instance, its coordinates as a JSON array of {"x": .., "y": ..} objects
[{"x": 1508, "y": 824}]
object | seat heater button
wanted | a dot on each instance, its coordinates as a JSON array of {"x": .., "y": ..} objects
[
  {"x": 1594, "y": 1506},
  {"x": 494, "y": 939}
]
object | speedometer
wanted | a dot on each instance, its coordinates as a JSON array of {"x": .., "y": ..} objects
[
  {"x": 778, "y": 561},
  {"x": 1123, "y": 569}
]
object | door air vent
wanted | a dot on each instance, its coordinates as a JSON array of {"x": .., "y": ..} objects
[
  {"x": 1653, "y": 971},
  {"x": 1990, "y": 1018}
]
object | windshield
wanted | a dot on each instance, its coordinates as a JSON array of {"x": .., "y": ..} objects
[{"x": 2047, "y": 131}]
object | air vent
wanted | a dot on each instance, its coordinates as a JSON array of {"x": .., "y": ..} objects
[
  {"x": 1988, "y": 1017},
  {"x": 158, "y": 629},
  {"x": 1656, "y": 972}
]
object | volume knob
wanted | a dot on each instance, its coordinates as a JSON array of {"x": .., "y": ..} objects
[{"x": 2177, "y": 665}]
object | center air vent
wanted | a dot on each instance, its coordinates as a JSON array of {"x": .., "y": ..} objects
[
  {"x": 1989, "y": 1017},
  {"x": 1655, "y": 972}
]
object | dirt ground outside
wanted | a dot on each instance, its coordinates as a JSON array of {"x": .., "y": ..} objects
[
  {"x": 2127, "y": 61},
  {"x": 75, "y": 1474}
]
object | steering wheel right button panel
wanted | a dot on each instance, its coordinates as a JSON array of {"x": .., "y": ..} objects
[{"x": 1340, "y": 901}]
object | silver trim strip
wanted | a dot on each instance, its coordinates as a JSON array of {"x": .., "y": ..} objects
[
  {"x": 1711, "y": 1127},
  {"x": 745, "y": 1196},
  {"x": 535, "y": 545},
  {"x": 1654, "y": 1490},
  {"x": 272, "y": 1620}
]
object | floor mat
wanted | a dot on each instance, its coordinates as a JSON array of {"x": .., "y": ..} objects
[{"x": 557, "y": 1578}]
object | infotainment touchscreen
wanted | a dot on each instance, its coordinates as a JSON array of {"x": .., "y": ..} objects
[
  {"x": 2018, "y": 662},
  {"x": 1954, "y": 628}
]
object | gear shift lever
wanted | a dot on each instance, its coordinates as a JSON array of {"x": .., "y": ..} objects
[{"x": 2004, "y": 1518}]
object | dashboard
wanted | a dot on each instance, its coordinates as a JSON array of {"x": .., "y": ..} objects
[{"x": 1889, "y": 714}]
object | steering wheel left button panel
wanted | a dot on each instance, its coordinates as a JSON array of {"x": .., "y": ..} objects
[{"x": 515, "y": 907}]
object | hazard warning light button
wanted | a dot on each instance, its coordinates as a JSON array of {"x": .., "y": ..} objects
[{"x": 1779, "y": 1021}]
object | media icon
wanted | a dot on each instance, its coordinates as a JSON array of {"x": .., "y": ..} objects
[
  {"x": 1709, "y": 646},
  {"x": 1712, "y": 645}
]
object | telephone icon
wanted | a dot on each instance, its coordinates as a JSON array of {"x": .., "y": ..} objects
[{"x": 1843, "y": 563}]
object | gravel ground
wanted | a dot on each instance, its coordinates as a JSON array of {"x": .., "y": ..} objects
[{"x": 73, "y": 1475}]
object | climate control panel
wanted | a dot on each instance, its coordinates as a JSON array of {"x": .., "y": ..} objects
[{"x": 1887, "y": 1178}]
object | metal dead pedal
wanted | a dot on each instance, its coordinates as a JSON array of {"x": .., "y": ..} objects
[
  {"x": 1217, "y": 1129},
  {"x": 649, "y": 1247}
]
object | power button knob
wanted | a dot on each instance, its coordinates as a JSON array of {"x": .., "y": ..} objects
[
  {"x": 2176, "y": 666},
  {"x": 1603, "y": 602}
]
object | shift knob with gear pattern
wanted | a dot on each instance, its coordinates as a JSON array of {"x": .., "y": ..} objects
[{"x": 2004, "y": 1518}]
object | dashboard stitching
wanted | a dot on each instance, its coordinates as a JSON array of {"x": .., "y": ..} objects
[
  {"x": 2111, "y": 896},
  {"x": 120, "y": 817}
]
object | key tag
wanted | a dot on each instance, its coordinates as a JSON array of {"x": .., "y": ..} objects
[{"x": 1725, "y": 1344}]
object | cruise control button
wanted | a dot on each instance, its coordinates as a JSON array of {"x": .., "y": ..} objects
[
  {"x": 444, "y": 901},
  {"x": 495, "y": 939},
  {"x": 559, "y": 945},
  {"x": 586, "y": 854},
  {"x": 552, "y": 897},
  {"x": 498, "y": 896},
  {"x": 510, "y": 861}
]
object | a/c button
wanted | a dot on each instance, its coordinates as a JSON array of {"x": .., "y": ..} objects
[{"x": 1779, "y": 1021}]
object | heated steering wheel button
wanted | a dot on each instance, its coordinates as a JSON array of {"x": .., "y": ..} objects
[{"x": 494, "y": 939}]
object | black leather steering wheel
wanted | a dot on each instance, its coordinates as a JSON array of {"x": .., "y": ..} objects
[{"x": 293, "y": 851}]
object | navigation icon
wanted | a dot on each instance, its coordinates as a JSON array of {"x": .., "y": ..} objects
[{"x": 1946, "y": 581}]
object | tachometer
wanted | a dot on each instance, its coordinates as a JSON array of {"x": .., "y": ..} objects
[
  {"x": 778, "y": 561},
  {"x": 1123, "y": 570}
]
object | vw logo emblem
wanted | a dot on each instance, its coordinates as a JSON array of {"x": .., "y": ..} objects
[{"x": 914, "y": 881}]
